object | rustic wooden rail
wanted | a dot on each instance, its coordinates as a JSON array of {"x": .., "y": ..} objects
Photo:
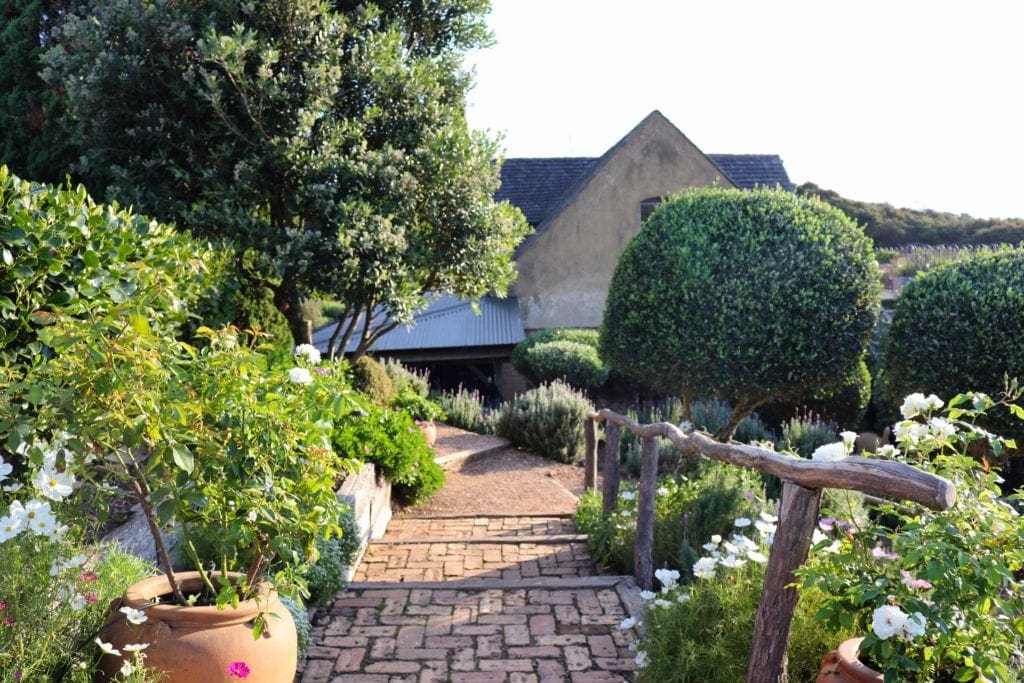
[{"x": 802, "y": 482}]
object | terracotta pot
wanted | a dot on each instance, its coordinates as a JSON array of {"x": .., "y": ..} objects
[
  {"x": 842, "y": 665},
  {"x": 429, "y": 430},
  {"x": 193, "y": 644}
]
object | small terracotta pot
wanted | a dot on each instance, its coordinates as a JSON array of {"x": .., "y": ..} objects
[
  {"x": 193, "y": 644},
  {"x": 843, "y": 665},
  {"x": 429, "y": 430}
]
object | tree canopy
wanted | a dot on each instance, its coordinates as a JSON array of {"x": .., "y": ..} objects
[
  {"x": 327, "y": 139},
  {"x": 747, "y": 295},
  {"x": 890, "y": 226}
]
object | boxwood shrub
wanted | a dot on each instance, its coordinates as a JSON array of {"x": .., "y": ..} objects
[
  {"x": 748, "y": 295},
  {"x": 579, "y": 365},
  {"x": 958, "y": 325}
]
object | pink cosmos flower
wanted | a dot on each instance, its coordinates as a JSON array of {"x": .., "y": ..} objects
[
  {"x": 881, "y": 554},
  {"x": 90, "y": 598},
  {"x": 238, "y": 670},
  {"x": 914, "y": 584},
  {"x": 88, "y": 577}
]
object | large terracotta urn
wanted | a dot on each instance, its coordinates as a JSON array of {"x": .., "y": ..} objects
[
  {"x": 843, "y": 665},
  {"x": 193, "y": 644}
]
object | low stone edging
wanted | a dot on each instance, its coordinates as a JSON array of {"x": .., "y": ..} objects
[{"x": 370, "y": 500}]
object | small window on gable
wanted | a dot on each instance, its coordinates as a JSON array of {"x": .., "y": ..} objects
[{"x": 647, "y": 207}]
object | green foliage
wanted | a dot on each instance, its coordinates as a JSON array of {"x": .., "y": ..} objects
[
  {"x": 708, "y": 636},
  {"x": 579, "y": 335},
  {"x": 843, "y": 403},
  {"x": 392, "y": 441},
  {"x": 370, "y": 377},
  {"x": 326, "y": 139},
  {"x": 957, "y": 570},
  {"x": 687, "y": 512},
  {"x": 465, "y": 410},
  {"x": 891, "y": 227},
  {"x": 712, "y": 416},
  {"x": 547, "y": 421},
  {"x": 933, "y": 344},
  {"x": 419, "y": 408},
  {"x": 805, "y": 432},
  {"x": 65, "y": 256},
  {"x": 31, "y": 142},
  {"x": 670, "y": 460},
  {"x": 577, "y": 364},
  {"x": 302, "y": 625},
  {"x": 747, "y": 295},
  {"x": 326, "y": 577},
  {"x": 47, "y": 637},
  {"x": 403, "y": 378}
]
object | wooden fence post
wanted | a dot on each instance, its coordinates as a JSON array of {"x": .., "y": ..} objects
[
  {"x": 774, "y": 615},
  {"x": 643, "y": 562},
  {"x": 612, "y": 439},
  {"x": 590, "y": 461}
]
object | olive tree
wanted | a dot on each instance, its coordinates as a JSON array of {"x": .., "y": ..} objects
[{"x": 750, "y": 296}]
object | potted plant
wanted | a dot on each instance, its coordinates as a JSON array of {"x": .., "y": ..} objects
[
  {"x": 235, "y": 456},
  {"x": 422, "y": 410},
  {"x": 936, "y": 594}
]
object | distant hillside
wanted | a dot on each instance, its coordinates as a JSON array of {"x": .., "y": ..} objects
[{"x": 889, "y": 226}]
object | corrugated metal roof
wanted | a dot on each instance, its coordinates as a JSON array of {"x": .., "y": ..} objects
[{"x": 448, "y": 322}]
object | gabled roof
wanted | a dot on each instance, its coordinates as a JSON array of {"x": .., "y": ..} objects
[
  {"x": 539, "y": 186},
  {"x": 447, "y": 322}
]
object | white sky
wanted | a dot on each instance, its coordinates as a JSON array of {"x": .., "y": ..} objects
[{"x": 919, "y": 104}]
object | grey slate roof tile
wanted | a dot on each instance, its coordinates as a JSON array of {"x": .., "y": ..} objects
[{"x": 537, "y": 185}]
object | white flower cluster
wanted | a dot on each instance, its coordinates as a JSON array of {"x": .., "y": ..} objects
[
  {"x": 889, "y": 620},
  {"x": 915, "y": 404},
  {"x": 53, "y": 481},
  {"x": 133, "y": 652},
  {"x": 738, "y": 549},
  {"x": 308, "y": 352}
]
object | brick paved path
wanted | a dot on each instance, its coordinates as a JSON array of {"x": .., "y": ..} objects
[{"x": 475, "y": 599}]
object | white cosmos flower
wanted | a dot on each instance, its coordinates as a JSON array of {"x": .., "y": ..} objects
[
  {"x": 730, "y": 548},
  {"x": 5, "y": 469},
  {"x": 732, "y": 562},
  {"x": 107, "y": 648},
  {"x": 888, "y": 621},
  {"x": 11, "y": 526},
  {"x": 134, "y": 616},
  {"x": 127, "y": 669},
  {"x": 628, "y": 623},
  {"x": 135, "y": 647},
  {"x": 627, "y": 495},
  {"x": 757, "y": 556},
  {"x": 662, "y": 491},
  {"x": 682, "y": 597},
  {"x": 830, "y": 452},
  {"x": 771, "y": 519},
  {"x": 742, "y": 522},
  {"x": 641, "y": 659},
  {"x": 766, "y": 528},
  {"x": 716, "y": 539},
  {"x": 662, "y": 603},
  {"x": 710, "y": 547},
  {"x": 52, "y": 484},
  {"x": 309, "y": 352},
  {"x": 647, "y": 595},
  {"x": 704, "y": 568},
  {"x": 667, "y": 577},
  {"x": 78, "y": 602},
  {"x": 300, "y": 376}
]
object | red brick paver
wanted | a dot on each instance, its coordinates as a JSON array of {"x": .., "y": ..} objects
[{"x": 506, "y": 611}]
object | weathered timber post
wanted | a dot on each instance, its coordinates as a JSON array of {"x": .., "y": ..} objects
[
  {"x": 643, "y": 555},
  {"x": 802, "y": 481},
  {"x": 590, "y": 458},
  {"x": 612, "y": 437}
]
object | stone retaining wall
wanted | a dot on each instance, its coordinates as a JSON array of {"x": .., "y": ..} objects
[{"x": 370, "y": 500}]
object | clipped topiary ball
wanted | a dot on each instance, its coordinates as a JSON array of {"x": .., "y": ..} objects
[
  {"x": 578, "y": 364},
  {"x": 579, "y": 335},
  {"x": 958, "y": 328},
  {"x": 370, "y": 377},
  {"x": 749, "y": 295}
]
